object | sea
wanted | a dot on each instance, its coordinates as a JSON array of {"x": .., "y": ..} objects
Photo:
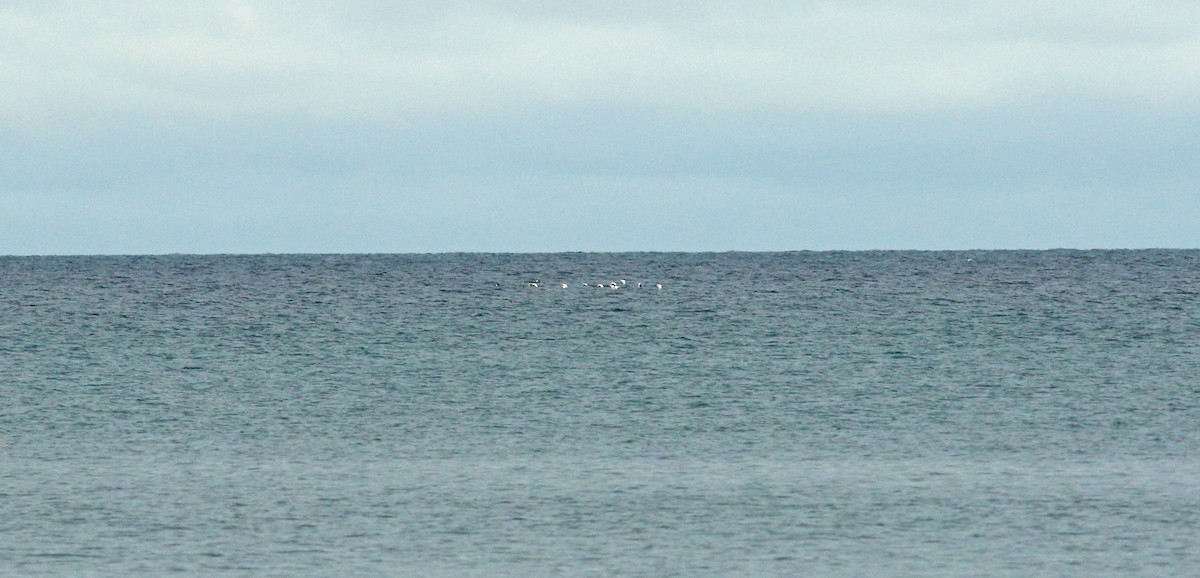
[{"x": 873, "y": 413}]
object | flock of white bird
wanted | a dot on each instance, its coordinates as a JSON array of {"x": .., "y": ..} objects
[{"x": 618, "y": 284}]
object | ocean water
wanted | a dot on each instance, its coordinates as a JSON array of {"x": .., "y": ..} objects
[{"x": 981, "y": 413}]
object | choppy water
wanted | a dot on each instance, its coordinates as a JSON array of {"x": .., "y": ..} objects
[{"x": 782, "y": 414}]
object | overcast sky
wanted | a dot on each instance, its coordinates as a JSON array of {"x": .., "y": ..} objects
[{"x": 246, "y": 126}]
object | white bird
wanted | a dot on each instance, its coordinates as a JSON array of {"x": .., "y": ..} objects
[{"x": 564, "y": 285}]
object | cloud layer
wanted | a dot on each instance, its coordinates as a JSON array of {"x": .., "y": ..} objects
[
  {"x": 402, "y": 60},
  {"x": 189, "y": 126}
]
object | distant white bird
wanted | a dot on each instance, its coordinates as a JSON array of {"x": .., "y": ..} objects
[
  {"x": 658, "y": 285},
  {"x": 564, "y": 285}
]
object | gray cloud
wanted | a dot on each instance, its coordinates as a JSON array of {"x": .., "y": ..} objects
[
  {"x": 405, "y": 61},
  {"x": 428, "y": 126}
]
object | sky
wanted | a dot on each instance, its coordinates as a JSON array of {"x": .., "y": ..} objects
[{"x": 396, "y": 126}]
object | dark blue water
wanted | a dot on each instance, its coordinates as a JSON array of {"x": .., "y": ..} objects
[{"x": 762, "y": 414}]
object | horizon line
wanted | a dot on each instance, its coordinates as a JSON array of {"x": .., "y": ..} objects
[{"x": 564, "y": 252}]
